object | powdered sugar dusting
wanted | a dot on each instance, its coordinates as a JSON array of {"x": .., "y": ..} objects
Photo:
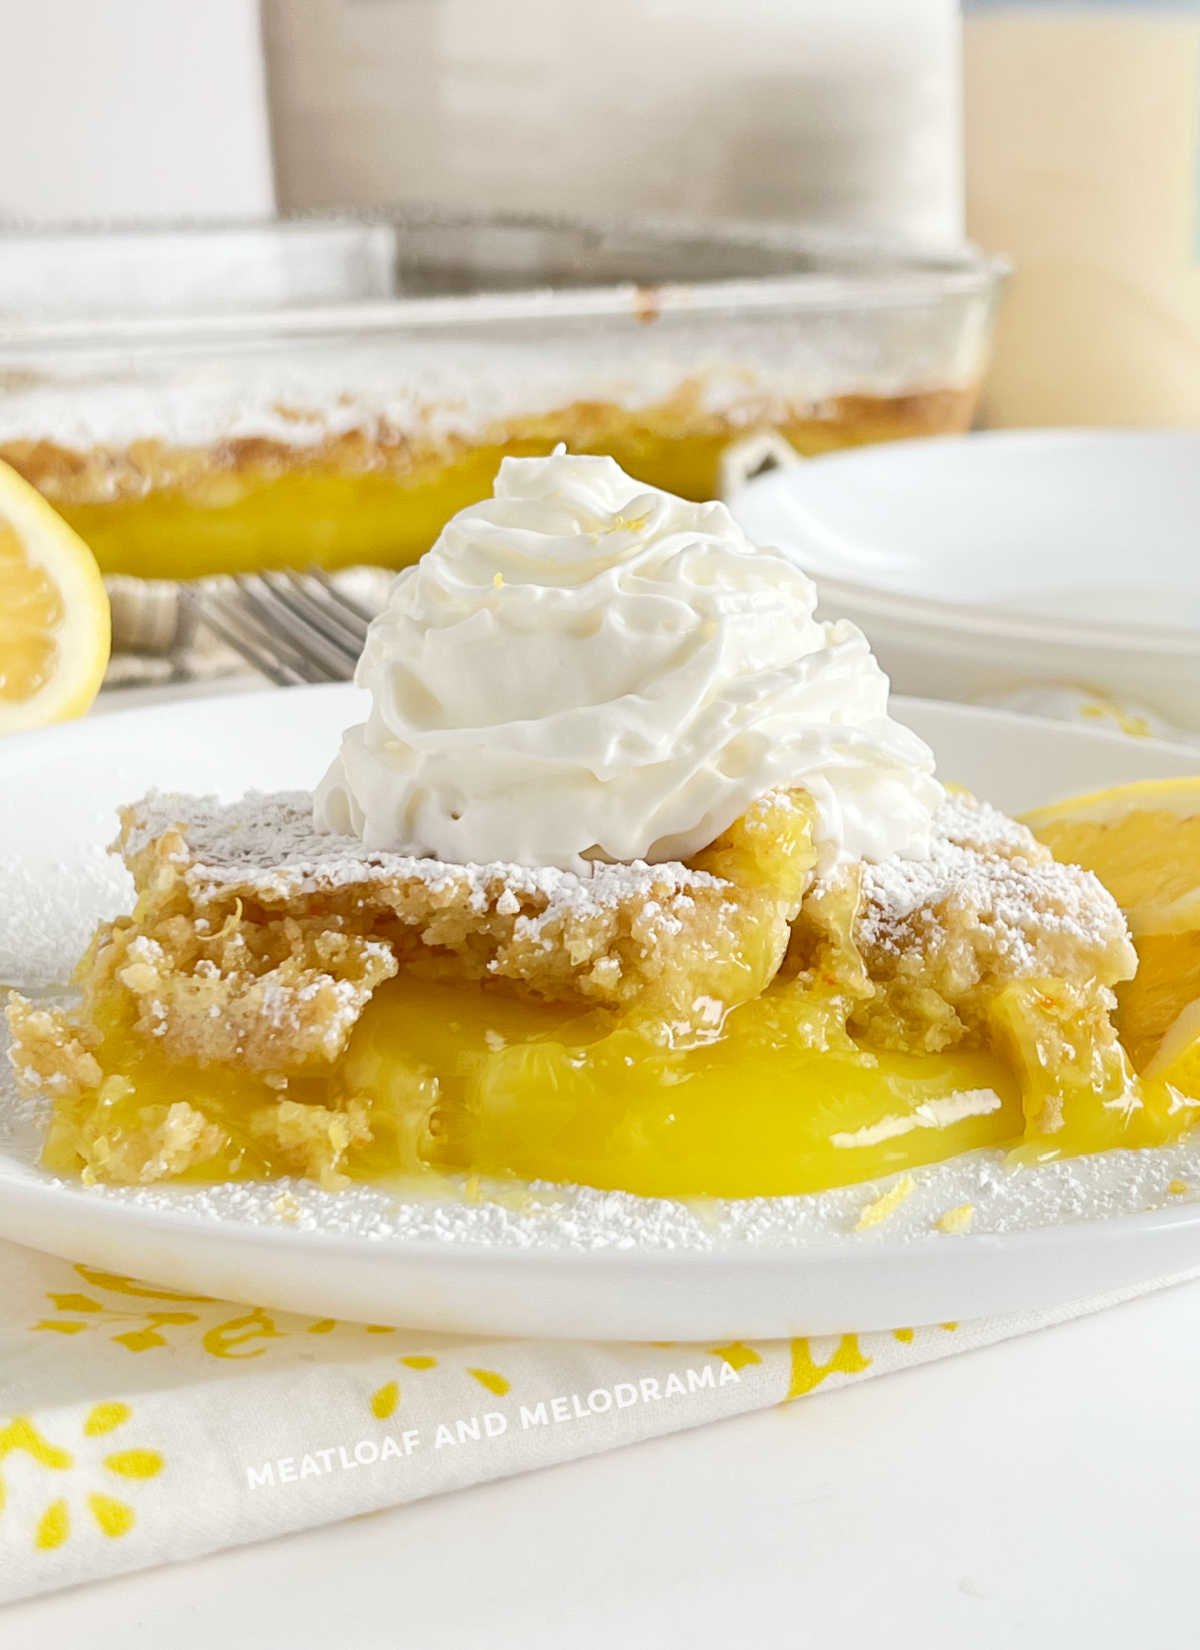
[
  {"x": 267, "y": 845},
  {"x": 1017, "y": 888}
]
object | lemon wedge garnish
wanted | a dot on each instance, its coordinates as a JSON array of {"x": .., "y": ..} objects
[
  {"x": 1176, "y": 1060},
  {"x": 54, "y": 618},
  {"x": 1143, "y": 842}
]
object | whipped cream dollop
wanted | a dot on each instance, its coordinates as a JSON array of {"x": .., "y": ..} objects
[{"x": 584, "y": 667}]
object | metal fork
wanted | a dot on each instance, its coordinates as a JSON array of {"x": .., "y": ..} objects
[{"x": 293, "y": 627}]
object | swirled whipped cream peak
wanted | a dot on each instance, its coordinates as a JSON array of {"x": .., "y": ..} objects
[{"x": 584, "y": 667}]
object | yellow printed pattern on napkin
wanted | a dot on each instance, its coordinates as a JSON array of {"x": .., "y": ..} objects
[
  {"x": 86, "y": 1484},
  {"x": 103, "y": 1456}
]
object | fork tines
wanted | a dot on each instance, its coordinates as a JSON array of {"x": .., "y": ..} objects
[{"x": 293, "y": 627}]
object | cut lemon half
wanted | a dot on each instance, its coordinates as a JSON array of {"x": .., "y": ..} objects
[
  {"x": 1143, "y": 842},
  {"x": 54, "y": 618}
]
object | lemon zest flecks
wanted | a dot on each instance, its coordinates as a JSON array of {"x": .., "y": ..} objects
[
  {"x": 1128, "y": 722},
  {"x": 885, "y": 1204},
  {"x": 959, "y": 1219}
]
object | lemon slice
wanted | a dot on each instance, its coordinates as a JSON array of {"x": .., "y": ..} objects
[
  {"x": 54, "y": 619},
  {"x": 1143, "y": 842},
  {"x": 1166, "y": 985},
  {"x": 1177, "y": 1057}
]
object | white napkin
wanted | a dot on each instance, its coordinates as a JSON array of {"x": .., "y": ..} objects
[{"x": 139, "y": 1425}]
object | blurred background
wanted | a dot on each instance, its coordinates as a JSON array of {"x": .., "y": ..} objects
[
  {"x": 281, "y": 280},
  {"x": 1033, "y": 125},
  {"x": 848, "y": 112}
]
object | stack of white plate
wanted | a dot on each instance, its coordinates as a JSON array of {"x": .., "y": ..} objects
[{"x": 986, "y": 564}]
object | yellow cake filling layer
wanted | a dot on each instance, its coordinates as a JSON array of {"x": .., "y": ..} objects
[
  {"x": 781, "y": 1099},
  {"x": 246, "y": 506}
]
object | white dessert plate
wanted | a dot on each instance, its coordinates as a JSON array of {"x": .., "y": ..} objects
[
  {"x": 977, "y": 563},
  {"x": 567, "y": 1262}
]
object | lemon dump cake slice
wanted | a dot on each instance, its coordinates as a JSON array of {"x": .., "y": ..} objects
[
  {"x": 282, "y": 1002},
  {"x": 628, "y": 878}
]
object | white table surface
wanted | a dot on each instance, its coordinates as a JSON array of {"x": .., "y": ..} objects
[{"x": 1041, "y": 1492}]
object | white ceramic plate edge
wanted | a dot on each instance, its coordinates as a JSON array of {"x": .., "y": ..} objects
[{"x": 866, "y": 1282}]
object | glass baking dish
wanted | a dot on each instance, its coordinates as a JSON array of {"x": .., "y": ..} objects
[{"x": 329, "y": 390}]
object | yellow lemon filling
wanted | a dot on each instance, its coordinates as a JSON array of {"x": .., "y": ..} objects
[
  {"x": 779, "y": 1099},
  {"x": 160, "y": 512},
  {"x": 769, "y": 1036}
]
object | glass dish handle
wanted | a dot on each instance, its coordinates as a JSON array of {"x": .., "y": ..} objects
[{"x": 752, "y": 456}]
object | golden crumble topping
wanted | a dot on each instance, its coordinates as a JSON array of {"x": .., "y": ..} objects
[
  {"x": 256, "y": 947},
  {"x": 237, "y": 891},
  {"x": 923, "y": 947}
]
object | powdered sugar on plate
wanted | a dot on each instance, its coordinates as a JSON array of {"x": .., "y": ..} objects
[{"x": 48, "y": 913}]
